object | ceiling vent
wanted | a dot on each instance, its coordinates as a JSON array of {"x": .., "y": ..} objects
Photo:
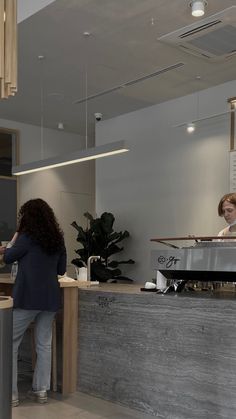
[{"x": 213, "y": 38}]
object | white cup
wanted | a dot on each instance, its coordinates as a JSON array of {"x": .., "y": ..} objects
[
  {"x": 81, "y": 274},
  {"x": 149, "y": 286}
]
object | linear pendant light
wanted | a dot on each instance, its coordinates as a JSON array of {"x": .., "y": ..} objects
[
  {"x": 71, "y": 158},
  {"x": 89, "y": 153}
]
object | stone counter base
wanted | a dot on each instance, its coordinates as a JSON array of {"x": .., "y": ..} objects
[{"x": 170, "y": 356}]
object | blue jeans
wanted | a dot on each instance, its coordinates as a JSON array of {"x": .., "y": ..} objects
[{"x": 43, "y": 342}]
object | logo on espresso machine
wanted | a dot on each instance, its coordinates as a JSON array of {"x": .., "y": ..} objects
[{"x": 167, "y": 262}]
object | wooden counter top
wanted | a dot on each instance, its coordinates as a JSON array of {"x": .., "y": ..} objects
[
  {"x": 70, "y": 282},
  {"x": 6, "y": 279},
  {"x": 6, "y": 302},
  {"x": 64, "y": 281}
]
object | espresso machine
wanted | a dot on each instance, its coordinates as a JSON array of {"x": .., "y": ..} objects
[{"x": 210, "y": 260}]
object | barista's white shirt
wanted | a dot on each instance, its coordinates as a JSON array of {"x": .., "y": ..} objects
[{"x": 226, "y": 232}]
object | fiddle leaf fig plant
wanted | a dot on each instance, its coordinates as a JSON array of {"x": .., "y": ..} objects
[{"x": 99, "y": 239}]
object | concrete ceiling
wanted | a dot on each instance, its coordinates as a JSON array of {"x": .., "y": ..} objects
[{"x": 123, "y": 46}]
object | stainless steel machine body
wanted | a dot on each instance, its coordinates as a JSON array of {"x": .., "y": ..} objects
[{"x": 205, "y": 261}]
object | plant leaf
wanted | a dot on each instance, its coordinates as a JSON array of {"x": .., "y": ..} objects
[
  {"x": 115, "y": 263},
  {"x": 88, "y": 216},
  {"x": 121, "y": 280},
  {"x": 75, "y": 225},
  {"x": 100, "y": 272},
  {"x": 120, "y": 236},
  {"x": 78, "y": 262},
  {"x": 113, "y": 249},
  {"x": 107, "y": 221}
]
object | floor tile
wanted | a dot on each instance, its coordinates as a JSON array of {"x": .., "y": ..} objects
[{"x": 76, "y": 406}]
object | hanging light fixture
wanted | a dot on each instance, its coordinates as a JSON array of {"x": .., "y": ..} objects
[
  {"x": 89, "y": 153},
  {"x": 198, "y": 7},
  {"x": 8, "y": 48}
]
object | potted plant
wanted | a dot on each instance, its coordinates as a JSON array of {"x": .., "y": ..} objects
[{"x": 99, "y": 239}]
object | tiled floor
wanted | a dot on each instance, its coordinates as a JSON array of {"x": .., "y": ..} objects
[{"x": 76, "y": 406}]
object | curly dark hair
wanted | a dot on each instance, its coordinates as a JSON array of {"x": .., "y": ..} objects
[{"x": 37, "y": 219}]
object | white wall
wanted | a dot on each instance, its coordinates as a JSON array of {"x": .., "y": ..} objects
[
  {"x": 170, "y": 182},
  {"x": 68, "y": 190}
]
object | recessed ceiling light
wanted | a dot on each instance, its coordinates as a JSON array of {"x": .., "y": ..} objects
[
  {"x": 60, "y": 126},
  {"x": 86, "y": 33},
  {"x": 198, "y": 7},
  {"x": 191, "y": 128}
]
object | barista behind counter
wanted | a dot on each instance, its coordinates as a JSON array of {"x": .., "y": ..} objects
[{"x": 227, "y": 209}]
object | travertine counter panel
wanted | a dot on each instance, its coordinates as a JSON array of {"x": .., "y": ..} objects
[{"x": 172, "y": 356}]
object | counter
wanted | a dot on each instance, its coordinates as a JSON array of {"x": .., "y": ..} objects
[
  {"x": 6, "y": 304},
  {"x": 172, "y": 356}
]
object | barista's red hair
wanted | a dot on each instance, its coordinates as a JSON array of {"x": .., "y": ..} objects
[{"x": 229, "y": 197}]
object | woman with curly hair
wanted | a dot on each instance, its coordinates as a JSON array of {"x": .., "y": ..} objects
[{"x": 38, "y": 247}]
